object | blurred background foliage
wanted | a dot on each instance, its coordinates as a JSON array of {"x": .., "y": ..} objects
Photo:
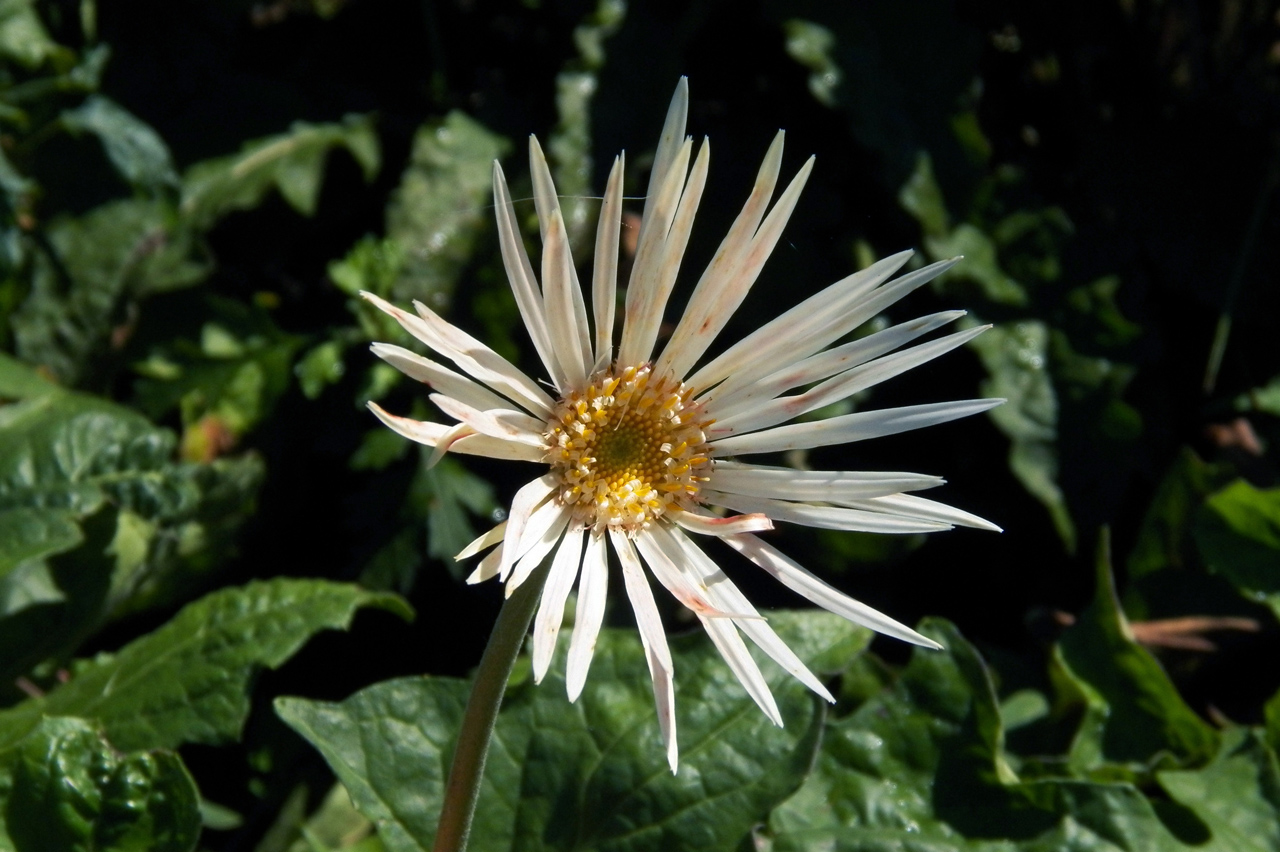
[{"x": 191, "y": 489}]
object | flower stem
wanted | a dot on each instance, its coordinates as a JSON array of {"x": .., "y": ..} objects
[{"x": 482, "y": 712}]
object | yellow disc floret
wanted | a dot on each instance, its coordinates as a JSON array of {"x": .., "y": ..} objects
[{"x": 627, "y": 449}]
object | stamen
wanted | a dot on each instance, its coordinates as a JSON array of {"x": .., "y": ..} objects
[{"x": 627, "y": 449}]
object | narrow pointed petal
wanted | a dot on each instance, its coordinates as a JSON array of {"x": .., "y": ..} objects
[
  {"x": 488, "y": 567},
  {"x": 683, "y": 587},
  {"x": 566, "y": 311},
  {"x": 826, "y": 485},
  {"x": 534, "y": 555},
  {"x": 642, "y": 313},
  {"x": 524, "y": 285},
  {"x": 455, "y": 434},
  {"x": 668, "y": 145},
  {"x": 654, "y": 640},
  {"x": 743, "y": 275},
  {"x": 918, "y": 507},
  {"x": 727, "y": 596},
  {"x": 439, "y": 377},
  {"x": 483, "y": 542},
  {"x": 744, "y": 668},
  {"x": 815, "y": 323},
  {"x": 841, "y": 386},
  {"x": 530, "y": 496},
  {"x": 506, "y": 425},
  {"x": 719, "y": 291},
  {"x": 589, "y": 615},
  {"x": 655, "y": 271},
  {"x": 793, "y": 576},
  {"x": 604, "y": 281},
  {"x": 641, "y": 596},
  {"x": 825, "y": 517},
  {"x": 714, "y": 525},
  {"x": 541, "y": 521},
  {"x": 826, "y": 363},
  {"x": 476, "y": 359},
  {"x": 428, "y": 433},
  {"x": 546, "y": 626},
  {"x": 566, "y": 314},
  {"x": 846, "y": 428}
]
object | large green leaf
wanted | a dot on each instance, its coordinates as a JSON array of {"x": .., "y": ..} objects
[
  {"x": 94, "y": 267},
  {"x": 74, "y": 792},
  {"x": 1145, "y": 716},
  {"x": 589, "y": 775},
  {"x": 441, "y": 206},
  {"x": 292, "y": 163},
  {"x": 187, "y": 682},
  {"x": 138, "y": 153},
  {"x": 1238, "y": 533}
]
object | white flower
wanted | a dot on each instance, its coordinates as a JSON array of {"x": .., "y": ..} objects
[{"x": 640, "y": 446}]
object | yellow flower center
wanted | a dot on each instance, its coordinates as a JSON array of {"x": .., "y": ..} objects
[{"x": 626, "y": 449}]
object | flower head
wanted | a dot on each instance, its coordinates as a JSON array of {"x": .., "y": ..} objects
[{"x": 640, "y": 447}]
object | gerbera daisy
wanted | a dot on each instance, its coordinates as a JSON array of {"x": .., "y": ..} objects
[{"x": 641, "y": 445}]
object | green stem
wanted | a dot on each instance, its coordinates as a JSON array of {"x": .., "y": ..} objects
[{"x": 482, "y": 712}]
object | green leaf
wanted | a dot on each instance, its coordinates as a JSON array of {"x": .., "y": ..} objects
[
  {"x": 1164, "y": 540},
  {"x": 441, "y": 206},
  {"x": 133, "y": 146},
  {"x": 1265, "y": 398},
  {"x": 1146, "y": 716},
  {"x": 224, "y": 383},
  {"x": 23, "y": 37},
  {"x": 18, "y": 381},
  {"x": 187, "y": 682},
  {"x": 1238, "y": 533},
  {"x": 33, "y": 534},
  {"x": 811, "y": 44},
  {"x": 73, "y": 791},
  {"x": 78, "y": 307},
  {"x": 588, "y": 775},
  {"x": 292, "y": 163},
  {"x": 448, "y": 492},
  {"x": 1016, "y": 358},
  {"x": 1236, "y": 797}
]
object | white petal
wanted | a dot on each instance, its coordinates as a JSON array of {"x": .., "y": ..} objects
[
  {"x": 529, "y": 498},
  {"x": 917, "y": 507},
  {"x": 815, "y": 323},
  {"x": 720, "y": 291},
  {"x": 846, "y": 428},
  {"x": 826, "y": 363},
  {"x": 524, "y": 285},
  {"x": 604, "y": 281},
  {"x": 744, "y": 668},
  {"x": 749, "y": 265},
  {"x": 439, "y": 377},
  {"x": 484, "y": 542},
  {"x": 823, "y": 485},
  {"x": 794, "y": 577},
  {"x": 562, "y": 294},
  {"x": 841, "y": 386},
  {"x": 507, "y": 425},
  {"x": 642, "y": 313},
  {"x": 541, "y": 520},
  {"x": 533, "y": 557},
  {"x": 784, "y": 334},
  {"x": 546, "y": 626},
  {"x": 476, "y": 359},
  {"x": 654, "y": 640},
  {"x": 488, "y": 567},
  {"x": 668, "y": 145},
  {"x": 428, "y": 433},
  {"x": 592, "y": 594},
  {"x": 641, "y": 596},
  {"x": 683, "y": 587},
  {"x": 727, "y": 596},
  {"x": 715, "y": 525},
  {"x": 824, "y": 517}
]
